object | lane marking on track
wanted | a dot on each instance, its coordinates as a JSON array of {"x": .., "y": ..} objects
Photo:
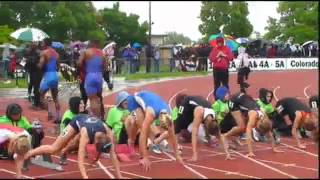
[
  {"x": 265, "y": 165},
  {"x": 300, "y": 150},
  {"x": 226, "y": 172},
  {"x": 11, "y": 172},
  {"x": 219, "y": 170},
  {"x": 65, "y": 173},
  {"x": 133, "y": 174},
  {"x": 288, "y": 164},
  {"x": 172, "y": 97},
  {"x": 244, "y": 150},
  {"x": 105, "y": 170},
  {"x": 92, "y": 169},
  {"x": 305, "y": 91},
  {"x": 187, "y": 167},
  {"x": 209, "y": 95},
  {"x": 274, "y": 93}
]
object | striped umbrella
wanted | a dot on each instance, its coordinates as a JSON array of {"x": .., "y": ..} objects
[
  {"x": 228, "y": 40},
  {"x": 29, "y": 34}
]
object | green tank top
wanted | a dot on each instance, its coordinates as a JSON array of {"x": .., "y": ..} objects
[
  {"x": 267, "y": 108},
  {"x": 22, "y": 122},
  {"x": 221, "y": 109},
  {"x": 67, "y": 115},
  {"x": 114, "y": 120}
]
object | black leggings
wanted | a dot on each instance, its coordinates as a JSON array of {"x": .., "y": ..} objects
[{"x": 220, "y": 77}]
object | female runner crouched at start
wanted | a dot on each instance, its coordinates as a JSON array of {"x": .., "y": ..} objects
[{"x": 92, "y": 131}]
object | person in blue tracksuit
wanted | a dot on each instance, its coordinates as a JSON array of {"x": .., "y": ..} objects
[{"x": 145, "y": 108}]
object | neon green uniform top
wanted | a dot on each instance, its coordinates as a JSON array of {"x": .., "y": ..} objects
[
  {"x": 114, "y": 120},
  {"x": 221, "y": 109},
  {"x": 267, "y": 108},
  {"x": 22, "y": 122}
]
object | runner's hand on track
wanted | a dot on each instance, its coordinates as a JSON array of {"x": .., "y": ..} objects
[
  {"x": 228, "y": 157},
  {"x": 302, "y": 146},
  {"x": 179, "y": 160},
  {"x": 277, "y": 151},
  {"x": 251, "y": 155},
  {"x": 194, "y": 158},
  {"x": 145, "y": 163}
]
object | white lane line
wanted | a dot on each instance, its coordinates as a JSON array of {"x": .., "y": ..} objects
[
  {"x": 105, "y": 170},
  {"x": 274, "y": 93},
  {"x": 288, "y": 164},
  {"x": 64, "y": 173},
  {"x": 300, "y": 150},
  {"x": 133, "y": 174},
  {"x": 172, "y": 97},
  {"x": 265, "y": 165},
  {"x": 187, "y": 167},
  {"x": 226, "y": 172},
  {"x": 11, "y": 172},
  {"x": 209, "y": 95},
  {"x": 305, "y": 91}
]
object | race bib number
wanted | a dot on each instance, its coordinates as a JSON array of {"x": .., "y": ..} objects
[
  {"x": 180, "y": 110},
  {"x": 279, "y": 109},
  {"x": 314, "y": 104},
  {"x": 231, "y": 104}
]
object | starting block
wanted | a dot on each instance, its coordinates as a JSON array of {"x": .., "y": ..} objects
[{"x": 46, "y": 162}]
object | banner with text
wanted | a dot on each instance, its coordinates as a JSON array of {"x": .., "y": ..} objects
[{"x": 261, "y": 64}]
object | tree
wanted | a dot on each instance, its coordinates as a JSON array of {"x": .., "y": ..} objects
[
  {"x": 273, "y": 29},
  {"x": 239, "y": 24},
  {"x": 121, "y": 28},
  {"x": 233, "y": 16},
  {"x": 174, "y": 37},
  {"x": 5, "y": 32},
  {"x": 213, "y": 14},
  {"x": 298, "y": 19}
]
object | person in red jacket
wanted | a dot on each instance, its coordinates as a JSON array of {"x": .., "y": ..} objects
[{"x": 220, "y": 57}]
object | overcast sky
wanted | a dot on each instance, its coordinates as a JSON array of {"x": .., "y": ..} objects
[{"x": 182, "y": 17}]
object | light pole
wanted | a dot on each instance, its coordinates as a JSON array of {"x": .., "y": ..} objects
[{"x": 150, "y": 22}]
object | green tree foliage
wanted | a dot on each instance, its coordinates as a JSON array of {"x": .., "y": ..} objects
[
  {"x": 5, "y": 32},
  {"x": 239, "y": 24},
  {"x": 121, "y": 28},
  {"x": 213, "y": 14},
  {"x": 299, "y": 19},
  {"x": 174, "y": 37},
  {"x": 232, "y": 15}
]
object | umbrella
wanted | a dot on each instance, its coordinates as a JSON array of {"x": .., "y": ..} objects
[
  {"x": 57, "y": 45},
  {"x": 76, "y": 43},
  {"x": 29, "y": 34},
  {"x": 136, "y": 45},
  {"x": 229, "y": 41},
  {"x": 307, "y": 43},
  {"x": 10, "y": 46},
  {"x": 242, "y": 40},
  {"x": 109, "y": 45}
]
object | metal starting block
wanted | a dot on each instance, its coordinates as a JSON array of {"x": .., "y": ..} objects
[{"x": 46, "y": 162}]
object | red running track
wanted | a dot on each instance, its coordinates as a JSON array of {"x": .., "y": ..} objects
[{"x": 294, "y": 163}]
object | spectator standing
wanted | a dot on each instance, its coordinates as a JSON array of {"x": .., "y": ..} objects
[
  {"x": 173, "y": 55},
  {"x": 271, "y": 53},
  {"x": 149, "y": 54},
  {"x": 35, "y": 75},
  {"x": 244, "y": 70},
  {"x": 220, "y": 57},
  {"x": 13, "y": 63},
  {"x": 157, "y": 59},
  {"x": 129, "y": 54},
  {"x": 5, "y": 61}
]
